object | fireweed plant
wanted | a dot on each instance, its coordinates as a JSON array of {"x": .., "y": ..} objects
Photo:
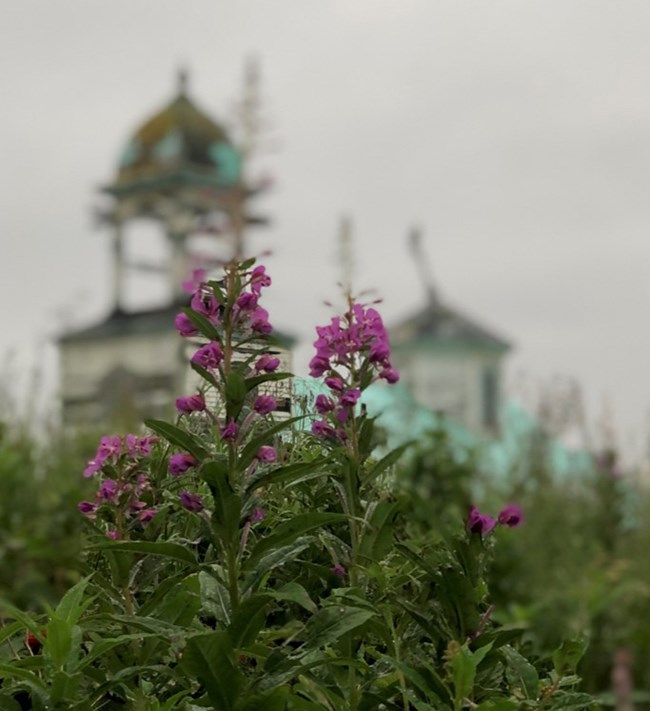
[{"x": 238, "y": 560}]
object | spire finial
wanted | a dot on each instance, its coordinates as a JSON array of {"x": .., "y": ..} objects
[
  {"x": 183, "y": 79},
  {"x": 423, "y": 266}
]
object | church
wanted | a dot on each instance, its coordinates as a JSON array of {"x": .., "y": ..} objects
[{"x": 182, "y": 172}]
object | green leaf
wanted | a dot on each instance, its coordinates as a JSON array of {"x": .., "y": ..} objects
[
  {"x": 275, "y": 559},
  {"x": 570, "y": 701},
  {"x": 210, "y": 658},
  {"x": 200, "y": 322},
  {"x": 215, "y": 599},
  {"x": 464, "y": 665},
  {"x": 567, "y": 656},
  {"x": 252, "y": 448},
  {"x": 7, "y": 703},
  {"x": 248, "y": 619},
  {"x": 175, "y": 435},
  {"x": 227, "y": 505},
  {"x": 58, "y": 641},
  {"x": 71, "y": 605},
  {"x": 235, "y": 394},
  {"x": 294, "y": 592},
  {"x": 388, "y": 461},
  {"x": 173, "y": 551},
  {"x": 289, "y": 530},
  {"x": 287, "y": 474},
  {"x": 257, "y": 380},
  {"x": 275, "y": 700},
  {"x": 329, "y": 624},
  {"x": 206, "y": 375},
  {"x": 520, "y": 672},
  {"x": 377, "y": 536}
]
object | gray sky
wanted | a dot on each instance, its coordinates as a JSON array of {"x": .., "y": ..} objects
[{"x": 516, "y": 133}]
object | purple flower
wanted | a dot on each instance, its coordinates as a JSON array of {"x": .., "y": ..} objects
[
  {"x": 259, "y": 279},
  {"x": 206, "y": 304},
  {"x": 260, "y": 321},
  {"x": 180, "y": 463},
  {"x": 137, "y": 447},
  {"x": 390, "y": 375},
  {"x": 322, "y": 429},
  {"x": 478, "y": 522},
  {"x": 191, "y": 502},
  {"x": 511, "y": 515},
  {"x": 229, "y": 431},
  {"x": 257, "y": 515},
  {"x": 266, "y": 454},
  {"x": 264, "y": 404},
  {"x": 334, "y": 383},
  {"x": 247, "y": 301},
  {"x": 318, "y": 366},
  {"x": 109, "y": 490},
  {"x": 208, "y": 356},
  {"x": 87, "y": 508},
  {"x": 324, "y": 404},
  {"x": 350, "y": 397},
  {"x": 113, "y": 535},
  {"x": 190, "y": 403},
  {"x": 184, "y": 326},
  {"x": 109, "y": 449},
  {"x": 339, "y": 570},
  {"x": 267, "y": 363},
  {"x": 146, "y": 515},
  {"x": 195, "y": 282}
]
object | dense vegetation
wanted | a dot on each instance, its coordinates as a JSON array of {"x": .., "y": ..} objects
[{"x": 237, "y": 560}]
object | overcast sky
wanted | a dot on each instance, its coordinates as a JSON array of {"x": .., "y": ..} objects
[{"x": 516, "y": 133}]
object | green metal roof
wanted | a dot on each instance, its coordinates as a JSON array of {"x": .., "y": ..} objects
[{"x": 439, "y": 326}]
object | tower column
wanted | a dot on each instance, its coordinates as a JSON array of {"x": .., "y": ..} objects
[
  {"x": 118, "y": 264},
  {"x": 179, "y": 267}
]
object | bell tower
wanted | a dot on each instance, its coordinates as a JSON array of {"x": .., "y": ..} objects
[{"x": 183, "y": 173}]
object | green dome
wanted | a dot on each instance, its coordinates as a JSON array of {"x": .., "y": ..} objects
[{"x": 181, "y": 137}]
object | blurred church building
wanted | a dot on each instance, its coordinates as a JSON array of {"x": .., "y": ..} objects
[{"x": 182, "y": 172}]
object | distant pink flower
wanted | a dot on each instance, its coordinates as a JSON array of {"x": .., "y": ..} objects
[
  {"x": 190, "y": 403},
  {"x": 137, "y": 447},
  {"x": 511, "y": 515},
  {"x": 208, "y": 356},
  {"x": 267, "y": 363},
  {"x": 146, "y": 515},
  {"x": 478, "y": 522},
  {"x": 338, "y": 570},
  {"x": 180, "y": 463},
  {"x": 109, "y": 490},
  {"x": 191, "y": 502},
  {"x": 229, "y": 431},
  {"x": 113, "y": 535},
  {"x": 88, "y": 509},
  {"x": 264, "y": 404},
  {"x": 257, "y": 515},
  {"x": 266, "y": 454},
  {"x": 184, "y": 326}
]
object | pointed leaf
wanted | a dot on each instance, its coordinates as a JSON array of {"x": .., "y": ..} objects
[
  {"x": 173, "y": 551},
  {"x": 175, "y": 435},
  {"x": 210, "y": 658},
  {"x": 291, "y": 529}
]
